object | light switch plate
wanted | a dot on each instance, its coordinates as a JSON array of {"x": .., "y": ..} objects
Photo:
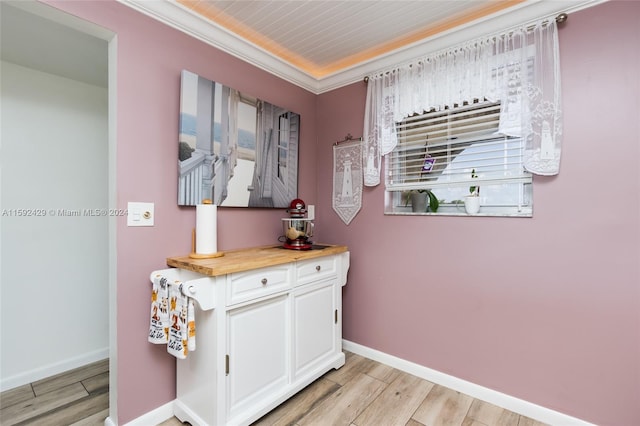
[
  {"x": 311, "y": 212},
  {"x": 140, "y": 214}
]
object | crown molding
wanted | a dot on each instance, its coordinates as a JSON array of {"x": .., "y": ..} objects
[
  {"x": 175, "y": 15},
  {"x": 179, "y": 17}
]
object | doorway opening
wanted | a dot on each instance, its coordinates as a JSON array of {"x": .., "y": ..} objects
[{"x": 57, "y": 245}]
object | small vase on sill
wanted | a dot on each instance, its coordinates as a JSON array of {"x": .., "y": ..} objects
[{"x": 472, "y": 204}]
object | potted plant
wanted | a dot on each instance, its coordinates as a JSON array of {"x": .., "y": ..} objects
[
  {"x": 472, "y": 201},
  {"x": 419, "y": 199}
]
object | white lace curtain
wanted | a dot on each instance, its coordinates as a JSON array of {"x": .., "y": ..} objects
[{"x": 521, "y": 69}]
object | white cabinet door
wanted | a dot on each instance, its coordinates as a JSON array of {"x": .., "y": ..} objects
[
  {"x": 314, "y": 325},
  {"x": 258, "y": 354}
]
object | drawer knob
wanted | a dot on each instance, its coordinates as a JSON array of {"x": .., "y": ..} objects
[
  {"x": 264, "y": 281},
  {"x": 318, "y": 267}
]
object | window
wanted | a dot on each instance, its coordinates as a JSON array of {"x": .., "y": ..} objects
[{"x": 450, "y": 151}]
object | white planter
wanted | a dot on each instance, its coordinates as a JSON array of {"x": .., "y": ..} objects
[{"x": 472, "y": 204}]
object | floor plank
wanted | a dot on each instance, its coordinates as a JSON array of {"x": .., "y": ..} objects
[
  {"x": 75, "y": 412},
  {"x": 63, "y": 379},
  {"x": 443, "y": 406},
  {"x": 383, "y": 372},
  {"x": 353, "y": 367},
  {"x": 488, "y": 414},
  {"x": 17, "y": 395},
  {"x": 39, "y": 405},
  {"x": 98, "y": 383},
  {"x": 96, "y": 419},
  {"x": 344, "y": 405},
  {"x": 526, "y": 421},
  {"x": 295, "y": 408},
  {"x": 397, "y": 402}
]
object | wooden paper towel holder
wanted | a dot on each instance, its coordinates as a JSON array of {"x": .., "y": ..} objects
[{"x": 195, "y": 255}]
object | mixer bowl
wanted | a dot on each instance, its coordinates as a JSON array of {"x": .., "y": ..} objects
[{"x": 297, "y": 228}]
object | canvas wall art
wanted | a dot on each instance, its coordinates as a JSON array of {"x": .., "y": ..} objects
[{"x": 234, "y": 149}]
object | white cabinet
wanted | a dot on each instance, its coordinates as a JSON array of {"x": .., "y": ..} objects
[
  {"x": 315, "y": 319},
  {"x": 257, "y": 350},
  {"x": 262, "y": 335}
]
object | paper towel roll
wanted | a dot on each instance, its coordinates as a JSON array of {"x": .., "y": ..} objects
[{"x": 206, "y": 229}]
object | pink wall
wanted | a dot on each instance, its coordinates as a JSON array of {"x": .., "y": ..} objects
[
  {"x": 149, "y": 60},
  {"x": 545, "y": 309},
  {"x": 492, "y": 301}
]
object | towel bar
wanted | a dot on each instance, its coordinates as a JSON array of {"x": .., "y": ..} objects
[{"x": 197, "y": 286}]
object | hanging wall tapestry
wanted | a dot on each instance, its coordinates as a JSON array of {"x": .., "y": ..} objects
[
  {"x": 234, "y": 149},
  {"x": 347, "y": 178}
]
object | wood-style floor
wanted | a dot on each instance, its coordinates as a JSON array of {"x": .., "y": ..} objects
[
  {"x": 366, "y": 393},
  {"x": 361, "y": 393},
  {"x": 77, "y": 397}
]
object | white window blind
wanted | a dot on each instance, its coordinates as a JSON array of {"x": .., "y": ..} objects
[{"x": 440, "y": 150}]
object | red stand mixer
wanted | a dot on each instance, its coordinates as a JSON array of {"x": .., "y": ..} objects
[{"x": 297, "y": 229}]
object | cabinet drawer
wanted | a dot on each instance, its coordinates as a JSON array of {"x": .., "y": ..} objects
[
  {"x": 316, "y": 269},
  {"x": 250, "y": 285}
]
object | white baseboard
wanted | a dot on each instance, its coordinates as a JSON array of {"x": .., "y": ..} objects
[
  {"x": 153, "y": 417},
  {"x": 52, "y": 369},
  {"x": 500, "y": 399}
]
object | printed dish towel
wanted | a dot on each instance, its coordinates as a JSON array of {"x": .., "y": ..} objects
[
  {"x": 191, "y": 326},
  {"x": 173, "y": 321},
  {"x": 159, "y": 322},
  {"x": 178, "y": 332}
]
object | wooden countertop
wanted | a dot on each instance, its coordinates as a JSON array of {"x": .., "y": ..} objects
[{"x": 250, "y": 258}]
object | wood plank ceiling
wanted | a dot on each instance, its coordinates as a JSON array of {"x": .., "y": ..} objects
[{"x": 322, "y": 37}]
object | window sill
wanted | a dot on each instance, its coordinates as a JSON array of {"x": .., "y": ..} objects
[{"x": 450, "y": 210}]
